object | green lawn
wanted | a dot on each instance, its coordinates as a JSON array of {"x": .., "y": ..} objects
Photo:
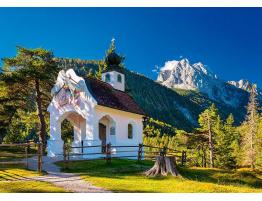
[
  {"x": 12, "y": 181},
  {"x": 127, "y": 176}
]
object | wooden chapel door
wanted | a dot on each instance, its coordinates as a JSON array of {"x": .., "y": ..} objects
[{"x": 102, "y": 136}]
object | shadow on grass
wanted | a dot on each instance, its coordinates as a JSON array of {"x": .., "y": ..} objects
[
  {"x": 98, "y": 168},
  {"x": 13, "y": 173},
  {"x": 123, "y": 168},
  {"x": 223, "y": 177}
]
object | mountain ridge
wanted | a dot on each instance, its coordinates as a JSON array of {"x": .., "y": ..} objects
[{"x": 184, "y": 75}]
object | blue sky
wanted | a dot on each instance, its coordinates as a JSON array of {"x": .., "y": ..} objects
[{"x": 228, "y": 40}]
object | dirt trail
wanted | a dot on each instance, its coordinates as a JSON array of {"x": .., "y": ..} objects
[{"x": 69, "y": 181}]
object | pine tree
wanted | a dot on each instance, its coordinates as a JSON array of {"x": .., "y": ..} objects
[
  {"x": 250, "y": 139},
  {"x": 112, "y": 47},
  {"x": 198, "y": 143},
  {"x": 207, "y": 120},
  {"x": 102, "y": 65},
  {"x": 29, "y": 77},
  {"x": 219, "y": 138},
  {"x": 226, "y": 142},
  {"x": 90, "y": 73},
  {"x": 259, "y": 143}
]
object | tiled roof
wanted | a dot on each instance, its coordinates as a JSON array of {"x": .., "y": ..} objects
[{"x": 106, "y": 95}]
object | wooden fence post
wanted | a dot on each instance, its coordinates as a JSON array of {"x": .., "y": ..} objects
[
  {"x": 183, "y": 158},
  {"x": 40, "y": 153},
  {"x": 108, "y": 153},
  {"x": 65, "y": 156},
  {"x": 82, "y": 145},
  {"x": 139, "y": 155},
  {"x": 26, "y": 155},
  {"x": 68, "y": 153}
]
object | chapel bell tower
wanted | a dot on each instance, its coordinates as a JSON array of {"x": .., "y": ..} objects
[{"x": 114, "y": 74}]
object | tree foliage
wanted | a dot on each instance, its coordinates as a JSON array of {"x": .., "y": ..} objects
[
  {"x": 251, "y": 138},
  {"x": 28, "y": 78},
  {"x": 216, "y": 142},
  {"x": 103, "y": 65}
]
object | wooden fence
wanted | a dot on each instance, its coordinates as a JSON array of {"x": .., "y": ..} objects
[
  {"x": 14, "y": 154},
  {"x": 140, "y": 152}
]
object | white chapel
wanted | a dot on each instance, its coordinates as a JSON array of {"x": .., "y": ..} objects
[{"x": 100, "y": 111}]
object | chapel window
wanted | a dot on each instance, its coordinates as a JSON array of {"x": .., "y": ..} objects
[
  {"x": 130, "y": 131},
  {"x": 108, "y": 77},
  {"x": 112, "y": 130},
  {"x": 119, "y": 78}
]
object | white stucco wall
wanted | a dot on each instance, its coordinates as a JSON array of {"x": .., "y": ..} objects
[
  {"x": 122, "y": 119},
  {"x": 84, "y": 107},
  {"x": 113, "y": 80}
]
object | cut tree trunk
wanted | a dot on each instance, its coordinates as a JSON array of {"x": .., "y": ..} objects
[
  {"x": 40, "y": 115},
  {"x": 163, "y": 166}
]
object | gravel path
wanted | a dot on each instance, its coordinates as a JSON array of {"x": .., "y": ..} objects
[{"x": 69, "y": 181}]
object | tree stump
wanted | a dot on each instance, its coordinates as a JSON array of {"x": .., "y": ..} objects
[{"x": 162, "y": 166}]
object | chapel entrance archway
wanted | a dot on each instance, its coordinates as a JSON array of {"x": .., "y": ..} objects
[
  {"x": 107, "y": 131},
  {"x": 78, "y": 125},
  {"x": 67, "y": 131}
]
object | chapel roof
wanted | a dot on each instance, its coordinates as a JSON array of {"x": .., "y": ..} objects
[{"x": 108, "y": 96}]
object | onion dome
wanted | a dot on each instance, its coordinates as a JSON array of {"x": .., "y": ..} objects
[{"x": 113, "y": 61}]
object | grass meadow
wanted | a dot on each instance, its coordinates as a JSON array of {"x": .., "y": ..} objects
[{"x": 127, "y": 176}]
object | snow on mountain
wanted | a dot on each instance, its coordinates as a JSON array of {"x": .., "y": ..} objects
[
  {"x": 242, "y": 84},
  {"x": 181, "y": 74},
  {"x": 245, "y": 85},
  {"x": 184, "y": 75}
]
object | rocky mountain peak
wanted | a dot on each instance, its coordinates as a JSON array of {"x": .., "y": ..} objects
[
  {"x": 246, "y": 85},
  {"x": 182, "y": 74},
  {"x": 197, "y": 76},
  {"x": 242, "y": 84}
]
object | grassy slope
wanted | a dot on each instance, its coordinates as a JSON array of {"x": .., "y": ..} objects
[{"x": 126, "y": 176}]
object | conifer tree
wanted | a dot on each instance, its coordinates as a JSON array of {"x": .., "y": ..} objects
[
  {"x": 250, "y": 140},
  {"x": 207, "y": 120},
  {"x": 226, "y": 142},
  {"x": 112, "y": 47},
  {"x": 259, "y": 142},
  {"x": 103, "y": 64},
  {"x": 29, "y": 77},
  {"x": 90, "y": 73},
  {"x": 219, "y": 141}
]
